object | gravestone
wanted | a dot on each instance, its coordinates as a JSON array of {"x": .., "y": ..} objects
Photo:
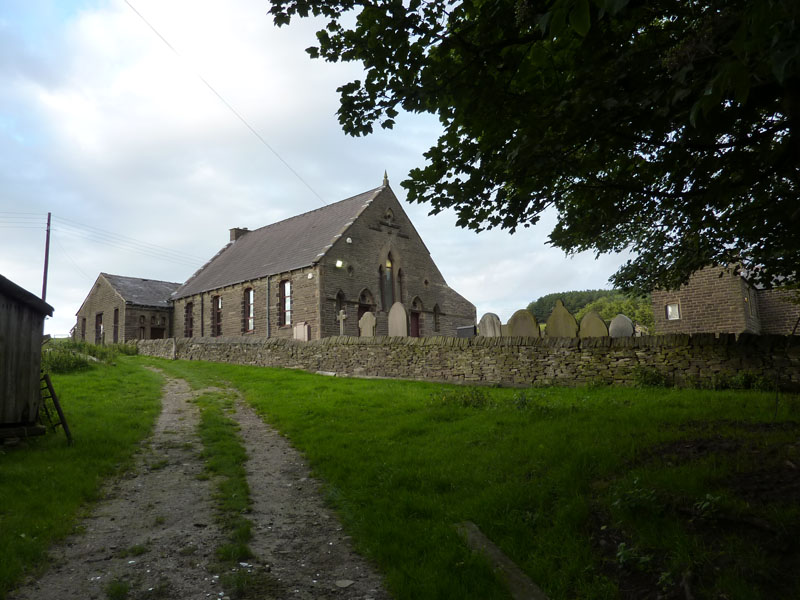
[
  {"x": 522, "y": 323},
  {"x": 301, "y": 331},
  {"x": 490, "y": 326},
  {"x": 341, "y": 317},
  {"x": 561, "y": 323},
  {"x": 398, "y": 320},
  {"x": 621, "y": 326},
  {"x": 366, "y": 325},
  {"x": 592, "y": 326},
  {"x": 467, "y": 331}
]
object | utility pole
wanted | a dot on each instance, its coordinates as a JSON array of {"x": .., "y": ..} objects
[{"x": 46, "y": 259}]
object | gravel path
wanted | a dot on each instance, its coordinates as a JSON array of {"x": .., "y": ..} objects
[{"x": 154, "y": 532}]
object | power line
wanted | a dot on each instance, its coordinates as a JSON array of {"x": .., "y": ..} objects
[
  {"x": 104, "y": 234},
  {"x": 74, "y": 264},
  {"x": 229, "y": 106}
]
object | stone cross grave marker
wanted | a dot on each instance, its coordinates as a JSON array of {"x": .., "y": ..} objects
[
  {"x": 490, "y": 326},
  {"x": 366, "y": 325},
  {"x": 523, "y": 324},
  {"x": 301, "y": 331},
  {"x": 398, "y": 320},
  {"x": 621, "y": 326},
  {"x": 342, "y": 317},
  {"x": 593, "y": 326},
  {"x": 561, "y": 323}
]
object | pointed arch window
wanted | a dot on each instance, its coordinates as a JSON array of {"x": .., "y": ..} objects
[
  {"x": 339, "y": 306},
  {"x": 437, "y": 313},
  {"x": 366, "y": 303},
  {"x": 400, "y": 285},
  {"x": 387, "y": 283}
]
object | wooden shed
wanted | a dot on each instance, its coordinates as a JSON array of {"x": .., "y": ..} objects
[{"x": 21, "y": 328}]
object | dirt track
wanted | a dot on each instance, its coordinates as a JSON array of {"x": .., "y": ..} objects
[{"x": 155, "y": 529}]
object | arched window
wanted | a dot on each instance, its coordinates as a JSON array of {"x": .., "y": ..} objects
[
  {"x": 415, "y": 318},
  {"x": 216, "y": 316},
  {"x": 188, "y": 320},
  {"x": 400, "y": 285},
  {"x": 339, "y": 306},
  {"x": 248, "y": 314},
  {"x": 366, "y": 303},
  {"x": 387, "y": 284},
  {"x": 285, "y": 307},
  {"x": 436, "y": 318}
]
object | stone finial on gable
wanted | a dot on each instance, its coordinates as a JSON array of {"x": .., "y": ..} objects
[{"x": 385, "y": 179}]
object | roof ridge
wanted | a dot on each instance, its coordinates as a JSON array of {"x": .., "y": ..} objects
[
  {"x": 315, "y": 210},
  {"x": 141, "y": 278}
]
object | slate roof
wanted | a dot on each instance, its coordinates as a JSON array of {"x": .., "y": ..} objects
[
  {"x": 142, "y": 292},
  {"x": 290, "y": 244}
]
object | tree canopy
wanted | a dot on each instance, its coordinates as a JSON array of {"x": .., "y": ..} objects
[
  {"x": 639, "y": 309},
  {"x": 574, "y": 301},
  {"x": 666, "y": 128}
]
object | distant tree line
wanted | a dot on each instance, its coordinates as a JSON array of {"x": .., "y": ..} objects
[{"x": 607, "y": 303}]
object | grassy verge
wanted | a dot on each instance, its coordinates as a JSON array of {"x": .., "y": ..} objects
[
  {"x": 595, "y": 493},
  {"x": 44, "y": 482},
  {"x": 225, "y": 457}
]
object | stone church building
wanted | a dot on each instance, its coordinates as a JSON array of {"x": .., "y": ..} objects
[
  {"x": 297, "y": 278},
  {"x": 120, "y": 309}
]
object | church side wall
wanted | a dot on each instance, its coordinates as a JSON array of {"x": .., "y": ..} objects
[
  {"x": 698, "y": 359},
  {"x": 304, "y": 307}
]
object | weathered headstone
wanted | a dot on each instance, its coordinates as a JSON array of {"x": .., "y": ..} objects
[
  {"x": 490, "y": 326},
  {"x": 561, "y": 323},
  {"x": 301, "y": 331},
  {"x": 341, "y": 317},
  {"x": 522, "y": 323},
  {"x": 398, "y": 320},
  {"x": 592, "y": 326},
  {"x": 621, "y": 326},
  {"x": 467, "y": 331},
  {"x": 366, "y": 325}
]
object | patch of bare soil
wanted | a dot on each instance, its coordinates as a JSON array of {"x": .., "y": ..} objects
[
  {"x": 154, "y": 534},
  {"x": 294, "y": 532}
]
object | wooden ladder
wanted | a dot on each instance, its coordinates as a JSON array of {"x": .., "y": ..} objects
[{"x": 51, "y": 405}]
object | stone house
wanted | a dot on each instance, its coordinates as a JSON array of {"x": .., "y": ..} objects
[
  {"x": 119, "y": 309},
  {"x": 292, "y": 279},
  {"x": 715, "y": 300}
]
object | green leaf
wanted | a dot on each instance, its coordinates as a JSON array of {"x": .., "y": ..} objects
[{"x": 579, "y": 17}]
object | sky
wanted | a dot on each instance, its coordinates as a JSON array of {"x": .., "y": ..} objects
[{"x": 145, "y": 169}]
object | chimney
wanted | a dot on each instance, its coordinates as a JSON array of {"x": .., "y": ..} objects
[{"x": 237, "y": 232}]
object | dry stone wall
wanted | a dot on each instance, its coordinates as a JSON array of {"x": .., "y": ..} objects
[{"x": 512, "y": 361}]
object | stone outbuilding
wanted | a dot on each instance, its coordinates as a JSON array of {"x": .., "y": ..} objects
[
  {"x": 120, "y": 309},
  {"x": 306, "y": 276},
  {"x": 716, "y": 300},
  {"x": 21, "y": 329}
]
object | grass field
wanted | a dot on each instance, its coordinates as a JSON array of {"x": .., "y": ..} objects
[
  {"x": 594, "y": 492},
  {"x": 44, "y": 483}
]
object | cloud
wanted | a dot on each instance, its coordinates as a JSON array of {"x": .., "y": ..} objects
[{"x": 106, "y": 127}]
